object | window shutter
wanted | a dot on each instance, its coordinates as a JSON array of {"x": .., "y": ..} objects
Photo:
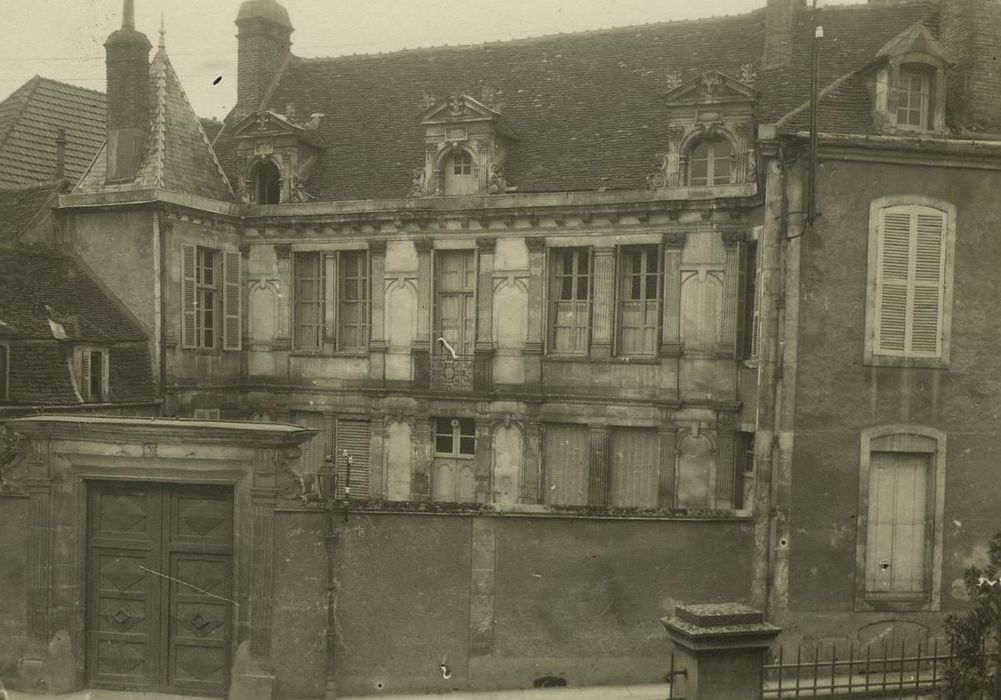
[
  {"x": 929, "y": 274},
  {"x": 353, "y": 436},
  {"x": 892, "y": 283},
  {"x": 566, "y": 459},
  {"x": 85, "y": 375},
  {"x": 635, "y": 466},
  {"x": 189, "y": 299},
  {"x": 742, "y": 327},
  {"x": 756, "y": 313},
  {"x": 232, "y": 328}
]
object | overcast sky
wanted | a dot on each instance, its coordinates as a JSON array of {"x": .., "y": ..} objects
[{"x": 62, "y": 39}]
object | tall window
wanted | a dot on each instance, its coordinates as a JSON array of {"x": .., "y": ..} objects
[
  {"x": 750, "y": 300},
  {"x": 710, "y": 162},
  {"x": 460, "y": 174},
  {"x": 4, "y": 372},
  {"x": 92, "y": 373},
  {"x": 452, "y": 477},
  {"x": 913, "y": 98},
  {"x": 211, "y": 298},
  {"x": 266, "y": 180},
  {"x": 639, "y": 292},
  {"x": 910, "y": 276},
  {"x": 331, "y": 304},
  {"x": 901, "y": 498},
  {"x": 570, "y": 319},
  {"x": 455, "y": 313}
]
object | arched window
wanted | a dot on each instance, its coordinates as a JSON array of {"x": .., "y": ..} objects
[
  {"x": 459, "y": 174},
  {"x": 709, "y": 162},
  {"x": 266, "y": 180}
]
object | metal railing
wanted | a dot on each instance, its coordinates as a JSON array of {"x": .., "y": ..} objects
[
  {"x": 887, "y": 669},
  {"x": 442, "y": 372}
]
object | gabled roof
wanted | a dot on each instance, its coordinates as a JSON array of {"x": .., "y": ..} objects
[
  {"x": 30, "y": 119},
  {"x": 23, "y": 206},
  {"x": 916, "y": 38},
  {"x": 178, "y": 156},
  {"x": 589, "y": 108}
]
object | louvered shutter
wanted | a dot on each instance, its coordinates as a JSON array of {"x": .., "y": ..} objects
[
  {"x": 929, "y": 276},
  {"x": 231, "y": 300},
  {"x": 85, "y": 374},
  {"x": 745, "y": 252},
  {"x": 353, "y": 436},
  {"x": 189, "y": 299},
  {"x": 567, "y": 459},
  {"x": 635, "y": 466},
  {"x": 892, "y": 285}
]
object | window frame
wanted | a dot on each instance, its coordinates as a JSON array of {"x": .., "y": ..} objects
[
  {"x": 877, "y": 439},
  {"x": 329, "y": 301},
  {"x": 873, "y": 355},
  {"x": 256, "y": 171},
  {"x": 455, "y": 435},
  {"x": 711, "y": 159},
  {"x": 203, "y": 290},
  {"x": 84, "y": 380},
  {"x": 925, "y": 76},
  {"x": 556, "y": 257},
  {"x": 657, "y": 250}
]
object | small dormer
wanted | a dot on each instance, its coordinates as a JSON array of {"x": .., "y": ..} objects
[
  {"x": 910, "y": 84},
  {"x": 466, "y": 144},
  {"x": 710, "y": 134},
  {"x": 275, "y": 157}
]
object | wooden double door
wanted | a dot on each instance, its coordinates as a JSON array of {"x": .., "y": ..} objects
[{"x": 159, "y": 578}]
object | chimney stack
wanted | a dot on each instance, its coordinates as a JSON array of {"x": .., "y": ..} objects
[
  {"x": 61, "y": 154},
  {"x": 970, "y": 31},
  {"x": 780, "y": 24},
  {"x": 128, "y": 101},
  {"x": 264, "y": 36}
]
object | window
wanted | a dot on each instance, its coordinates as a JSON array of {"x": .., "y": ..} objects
[
  {"x": 455, "y": 301},
  {"x": 459, "y": 174},
  {"x": 639, "y": 311},
  {"x": 92, "y": 374},
  {"x": 634, "y": 462},
  {"x": 910, "y": 282},
  {"x": 913, "y": 95},
  {"x": 709, "y": 162},
  {"x": 211, "y": 298},
  {"x": 266, "y": 180},
  {"x": 455, "y": 437},
  {"x": 567, "y": 456},
  {"x": 4, "y": 372},
  {"x": 750, "y": 301},
  {"x": 570, "y": 323},
  {"x": 900, "y": 508},
  {"x": 331, "y": 300}
]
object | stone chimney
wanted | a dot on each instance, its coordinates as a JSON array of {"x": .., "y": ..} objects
[
  {"x": 970, "y": 31},
  {"x": 264, "y": 35},
  {"x": 780, "y": 23},
  {"x": 128, "y": 101}
]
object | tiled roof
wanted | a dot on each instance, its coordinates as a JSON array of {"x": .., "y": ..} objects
[
  {"x": 37, "y": 286},
  {"x": 30, "y": 120},
  {"x": 22, "y": 206},
  {"x": 178, "y": 156},
  {"x": 588, "y": 108}
]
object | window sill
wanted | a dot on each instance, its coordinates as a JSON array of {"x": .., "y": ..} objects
[
  {"x": 444, "y": 455},
  {"x": 901, "y": 362}
]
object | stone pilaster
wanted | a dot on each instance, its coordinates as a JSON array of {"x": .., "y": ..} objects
[
  {"x": 599, "y": 482},
  {"x": 377, "y": 300},
  {"x": 420, "y": 463},
  {"x": 603, "y": 313},
  {"x": 425, "y": 288},
  {"x": 485, "y": 295},
  {"x": 674, "y": 243}
]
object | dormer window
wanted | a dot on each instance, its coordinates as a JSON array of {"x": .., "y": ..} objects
[
  {"x": 92, "y": 374},
  {"x": 460, "y": 174},
  {"x": 709, "y": 163},
  {"x": 913, "y": 97},
  {"x": 266, "y": 179}
]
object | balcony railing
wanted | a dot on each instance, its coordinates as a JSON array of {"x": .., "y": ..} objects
[{"x": 442, "y": 372}]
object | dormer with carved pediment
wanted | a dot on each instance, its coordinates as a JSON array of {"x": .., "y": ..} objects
[
  {"x": 709, "y": 138},
  {"x": 466, "y": 144},
  {"x": 909, "y": 84},
  {"x": 275, "y": 157}
]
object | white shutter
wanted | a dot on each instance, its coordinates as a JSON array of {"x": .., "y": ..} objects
[
  {"x": 929, "y": 275},
  {"x": 892, "y": 283},
  {"x": 353, "y": 436},
  {"x": 189, "y": 298},
  {"x": 231, "y": 301}
]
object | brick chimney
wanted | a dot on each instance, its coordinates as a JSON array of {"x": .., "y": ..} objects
[
  {"x": 128, "y": 102},
  {"x": 970, "y": 31},
  {"x": 780, "y": 23},
  {"x": 264, "y": 34}
]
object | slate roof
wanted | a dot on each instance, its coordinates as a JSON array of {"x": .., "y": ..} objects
[
  {"x": 38, "y": 285},
  {"x": 30, "y": 119},
  {"x": 21, "y": 207},
  {"x": 178, "y": 156},
  {"x": 587, "y": 108}
]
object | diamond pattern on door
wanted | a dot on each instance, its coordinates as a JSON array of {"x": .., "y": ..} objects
[{"x": 159, "y": 612}]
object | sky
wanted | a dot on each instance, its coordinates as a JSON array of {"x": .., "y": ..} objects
[{"x": 63, "y": 39}]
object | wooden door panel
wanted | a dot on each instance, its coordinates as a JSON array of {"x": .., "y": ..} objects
[{"x": 199, "y": 622}]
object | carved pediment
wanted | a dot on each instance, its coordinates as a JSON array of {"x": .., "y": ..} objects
[
  {"x": 458, "y": 107},
  {"x": 711, "y": 87},
  {"x": 916, "y": 39},
  {"x": 265, "y": 123}
]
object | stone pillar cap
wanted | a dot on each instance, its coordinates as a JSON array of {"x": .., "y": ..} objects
[{"x": 718, "y": 626}]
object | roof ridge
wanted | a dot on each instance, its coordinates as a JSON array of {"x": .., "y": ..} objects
[
  {"x": 158, "y": 122},
  {"x": 70, "y": 85},
  {"x": 539, "y": 37}
]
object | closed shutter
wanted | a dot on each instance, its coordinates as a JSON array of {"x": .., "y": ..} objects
[
  {"x": 231, "y": 300},
  {"x": 896, "y": 547},
  {"x": 635, "y": 465},
  {"x": 910, "y": 289},
  {"x": 567, "y": 457},
  {"x": 189, "y": 299},
  {"x": 85, "y": 374},
  {"x": 353, "y": 436}
]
